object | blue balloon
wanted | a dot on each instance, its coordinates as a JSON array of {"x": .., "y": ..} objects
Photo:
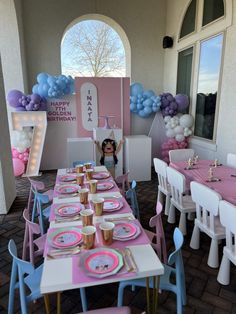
[
  {"x": 133, "y": 107},
  {"x": 51, "y": 80},
  {"x": 149, "y": 93},
  {"x": 35, "y": 89},
  {"x": 148, "y": 102},
  {"x": 133, "y": 99},
  {"x": 135, "y": 89},
  {"x": 143, "y": 114},
  {"x": 147, "y": 110},
  {"x": 140, "y": 106},
  {"x": 42, "y": 78}
]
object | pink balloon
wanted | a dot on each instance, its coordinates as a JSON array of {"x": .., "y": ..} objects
[{"x": 18, "y": 167}]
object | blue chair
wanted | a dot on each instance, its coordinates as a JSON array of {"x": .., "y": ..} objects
[
  {"x": 131, "y": 195},
  {"x": 177, "y": 271},
  {"x": 82, "y": 162},
  {"x": 38, "y": 211},
  {"x": 18, "y": 280}
]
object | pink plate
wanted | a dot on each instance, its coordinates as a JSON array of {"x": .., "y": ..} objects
[
  {"x": 103, "y": 186},
  {"x": 111, "y": 204},
  {"x": 101, "y": 175},
  {"x": 67, "y": 178},
  {"x": 66, "y": 238},
  {"x": 101, "y": 262},
  {"x": 124, "y": 230},
  {"x": 67, "y": 189},
  {"x": 69, "y": 210}
]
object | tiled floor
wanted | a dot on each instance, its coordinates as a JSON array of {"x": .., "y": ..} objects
[{"x": 204, "y": 294}]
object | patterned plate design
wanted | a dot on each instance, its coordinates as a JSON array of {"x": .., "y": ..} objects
[
  {"x": 68, "y": 210},
  {"x": 101, "y": 175},
  {"x": 111, "y": 205},
  {"x": 101, "y": 262},
  {"x": 103, "y": 186},
  {"x": 65, "y": 237},
  {"x": 68, "y": 188},
  {"x": 67, "y": 178},
  {"x": 125, "y": 231}
]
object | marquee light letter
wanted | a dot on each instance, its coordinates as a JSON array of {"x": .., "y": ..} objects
[
  {"x": 38, "y": 120},
  {"x": 89, "y": 106}
]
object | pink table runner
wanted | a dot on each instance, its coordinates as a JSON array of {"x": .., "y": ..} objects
[{"x": 226, "y": 187}]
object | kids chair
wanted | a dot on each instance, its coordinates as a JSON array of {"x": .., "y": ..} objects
[
  {"x": 38, "y": 210},
  {"x": 19, "y": 281},
  {"x": 207, "y": 220},
  {"x": 181, "y": 154},
  {"x": 123, "y": 182},
  {"x": 110, "y": 310},
  {"x": 227, "y": 218},
  {"x": 163, "y": 186},
  {"x": 32, "y": 229},
  {"x": 179, "y": 199},
  {"x": 160, "y": 243},
  {"x": 176, "y": 271},
  {"x": 131, "y": 195},
  {"x": 36, "y": 186}
]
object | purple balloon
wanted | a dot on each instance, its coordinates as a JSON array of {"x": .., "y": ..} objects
[
  {"x": 13, "y": 98},
  {"x": 182, "y": 101},
  {"x": 20, "y": 108},
  {"x": 35, "y": 98}
]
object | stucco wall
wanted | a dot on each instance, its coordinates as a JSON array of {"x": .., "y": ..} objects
[
  {"x": 226, "y": 128},
  {"x": 143, "y": 22}
]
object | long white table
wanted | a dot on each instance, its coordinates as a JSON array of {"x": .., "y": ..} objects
[{"x": 57, "y": 273}]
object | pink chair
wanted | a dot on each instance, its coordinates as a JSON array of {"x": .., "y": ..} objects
[
  {"x": 110, "y": 310},
  {"x": 32, "y": 229},
  {"x": 160, "y": 242},
  {"x": 36, "y": 186},
  {"x": 123, "y": 182}
]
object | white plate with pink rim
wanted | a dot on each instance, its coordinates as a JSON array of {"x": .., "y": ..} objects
[
  {"x": 67, "y": 188},
  {"x": 101, "y": 175},
  {"x": 103, "y": 186},
  {"x": 111, "y": 205},
  {"x": 64, "y": 237},
  {"x": 68, "y": 210},
  {"x": 125, "y": 231},
  {"x": 67, "y": 178}
]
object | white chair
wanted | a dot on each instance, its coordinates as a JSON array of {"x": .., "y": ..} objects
[
  {"x": 227, "y": 219},
  {"x": 181, "y": 154},
  {"x": 231, "y": 160},
  {"x": 207, "y": 220},
  {"x": 163, "y": 186},
  {"x": 179, "y": 200}
]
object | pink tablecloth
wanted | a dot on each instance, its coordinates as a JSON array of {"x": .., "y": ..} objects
[{"x": 226, "y": 187}]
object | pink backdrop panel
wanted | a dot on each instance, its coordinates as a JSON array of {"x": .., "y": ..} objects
[{"x": 113, "y": 99}]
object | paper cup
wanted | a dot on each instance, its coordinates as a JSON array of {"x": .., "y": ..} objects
[
  {"x": 89, "y": 174},
  {"x": 88, "y": 234},
  {"x": 79, "y": 168},
  {"x": 83, "y": 195},
  {"x": 88, "y": 165},
  {"x": 98, "y": 206},
  {"x": 87, "y": 217},
  {"x": 93, "y": 186},
  {"x": 80, "y": 179},
  {"x": 107, "y": 232}
]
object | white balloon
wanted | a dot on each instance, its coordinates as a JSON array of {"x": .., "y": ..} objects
[
  {"x": 179, "y": 137},
  {"x": 167, "y": 118},
  {"x": 179, "y": 129},
  {"x": 170, "y": 133},
  {"x": 186, "y": 121}
]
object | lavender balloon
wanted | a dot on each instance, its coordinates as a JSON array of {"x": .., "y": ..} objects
[
  {"x": 182, "y": 102},
  {"x": 13, "y": 98}
]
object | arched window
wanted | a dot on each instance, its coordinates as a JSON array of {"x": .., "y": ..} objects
[
  {"x": 91, "y": 47},
  {"x": 200, "y": 49}
]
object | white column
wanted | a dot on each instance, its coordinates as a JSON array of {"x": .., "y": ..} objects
[{"x": 7, "y": 180}]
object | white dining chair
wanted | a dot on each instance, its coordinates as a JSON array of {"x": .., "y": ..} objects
[
  {"x": 231, "y": 160},
  {"x": 181, "y": 154},
  {"x": 207, "y": 220},
  {"x": 227, "y": 219},
  {"x": 163, "y": 186},
  {"x": 179, "y": 199}
]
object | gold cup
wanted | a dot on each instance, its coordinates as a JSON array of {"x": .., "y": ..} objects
[
  {"x": 87, "y": 217},
  {"x": 93, "y": 186},
  {"x": 80, "y": 179},
  {"x": 89, "y": 174},
  {"x": 83, "y": 195},
  {"x": 79, "y": 168},
  {"x": 88, "y": 234},
  {"x": 107, "y": 232},
  {"x": 98, "y": 205},
  {"x": 88, "y": 165}
]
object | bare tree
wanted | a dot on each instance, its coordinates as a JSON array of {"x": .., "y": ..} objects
[{"x": 92, "y": 48}]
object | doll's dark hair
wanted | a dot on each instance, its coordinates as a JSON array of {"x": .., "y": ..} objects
[{"x": 113, "y": 143}]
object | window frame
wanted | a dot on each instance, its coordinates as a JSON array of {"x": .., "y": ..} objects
[{"x": 194, "y": 39}]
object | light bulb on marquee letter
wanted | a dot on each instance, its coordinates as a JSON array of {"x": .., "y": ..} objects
[{"x": 37, "y": 120}]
